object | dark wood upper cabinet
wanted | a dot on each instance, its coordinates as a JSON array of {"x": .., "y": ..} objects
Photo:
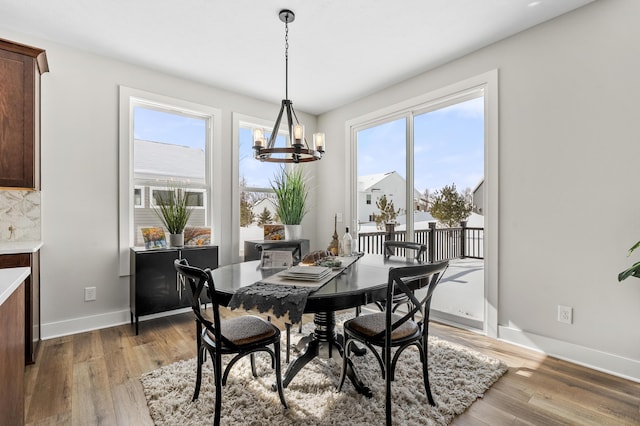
[{"x": 20, "y": 70}]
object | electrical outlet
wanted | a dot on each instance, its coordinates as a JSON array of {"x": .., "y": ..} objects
[
  {"x": 89, "y": 294},
  {"x": 565, "y": 314},
  {"x": 339, "y": 216}
]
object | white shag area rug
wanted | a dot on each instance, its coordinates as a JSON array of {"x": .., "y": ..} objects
[{"x": 458, "y": 376}]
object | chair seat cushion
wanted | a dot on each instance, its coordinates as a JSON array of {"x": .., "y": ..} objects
[
  {"x": 246, "y": 330},
  {"x": 373, "y": 324}
]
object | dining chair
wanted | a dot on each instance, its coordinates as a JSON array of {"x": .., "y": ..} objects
[
  {"x": 295, "y": 247},
  {"x": 388, "y": 329},
  {"x": 401, "y": 249},
  {"x": 244, "y": 335}
]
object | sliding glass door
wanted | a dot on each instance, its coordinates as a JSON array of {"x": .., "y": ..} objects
[{"x": 429, "y": 155}]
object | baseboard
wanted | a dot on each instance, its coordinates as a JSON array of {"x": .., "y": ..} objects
[
  {"x": 95, "y": 322},
  {"x": 581, "y": 355},
  {"x": 456, "y": 321}
]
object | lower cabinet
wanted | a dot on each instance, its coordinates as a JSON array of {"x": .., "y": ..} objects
[
  {"x": 12, "y": 359},
  {"x": 154, "y": 283},
  {"x": 31, "y": 299}
]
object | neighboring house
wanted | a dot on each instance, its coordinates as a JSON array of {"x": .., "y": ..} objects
[
  {"x": 156, "y": 166},
  {"x": 478, "y": 198},
  {"x": 373, "y": 187},
  {"x": 260, "y": 205}
]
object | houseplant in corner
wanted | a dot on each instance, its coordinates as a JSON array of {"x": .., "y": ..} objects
[
  {"x": 173, "y": 211},
  {"x": 291, "y": 197},
  {"x": 634, "y": 270}
]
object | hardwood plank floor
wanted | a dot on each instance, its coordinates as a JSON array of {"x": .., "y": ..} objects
[{"x": 92, "y": 379}]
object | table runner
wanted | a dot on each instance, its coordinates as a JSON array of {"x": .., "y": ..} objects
[{"x": 284, "y": 298}]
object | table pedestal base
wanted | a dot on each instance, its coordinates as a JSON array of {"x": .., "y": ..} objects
[{"x": 324, "y": 343}]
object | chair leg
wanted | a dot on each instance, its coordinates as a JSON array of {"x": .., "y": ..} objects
[
  {"x": 253, "y": 365},
  {"x": 276, "y": 347},
  {"x": 217, "y": 358},
  {"x": 200, "y": 360},
  {"x": 345, "y": 360},
  {"x": 288, "y": 331},
  {"x": 388, "y": 378},
  {"x": 425, "y": 371}
]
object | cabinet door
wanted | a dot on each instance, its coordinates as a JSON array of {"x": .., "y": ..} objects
[
  {"x": 156, "y": 287},
  {"x": 17, "y": 115},
  {"x": 31, "y": 300}
]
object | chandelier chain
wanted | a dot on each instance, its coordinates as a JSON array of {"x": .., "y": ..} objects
[
  {"x": 286, "y": 60},
  {"x": 296, "y": 150}
]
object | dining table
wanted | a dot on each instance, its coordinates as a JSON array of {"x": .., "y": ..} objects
[{"x": 364, "y": 281}]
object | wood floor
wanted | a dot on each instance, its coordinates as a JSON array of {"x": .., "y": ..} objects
[{"x": 92, "y": 379}]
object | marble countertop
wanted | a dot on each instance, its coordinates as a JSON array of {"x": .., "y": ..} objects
[
  {"x": 15, "y": 247},
  {"x": 10, "y": 280}
]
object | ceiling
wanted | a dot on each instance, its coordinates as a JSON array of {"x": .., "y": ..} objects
[{"x": 339, "y": 50}]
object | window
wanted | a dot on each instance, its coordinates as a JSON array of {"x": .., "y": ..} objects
[
  {"x": 442, "y": 141},
  {"x": 256, "y": 200},
  {"x": 138, "y": 196},
  {"x": 195, "y": 197},
  {"x": 412, "y": 149},
  {"x": 164, "y": 142}
]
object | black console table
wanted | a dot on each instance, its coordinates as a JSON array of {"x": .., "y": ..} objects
[
  {"x": 251, "y": 251},
  {"x": 154, "y": 283}
]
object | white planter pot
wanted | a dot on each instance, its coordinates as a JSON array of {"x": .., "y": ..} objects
[
  {"x": 176, "y": 240},
  {"x": 292, "y": 232}
]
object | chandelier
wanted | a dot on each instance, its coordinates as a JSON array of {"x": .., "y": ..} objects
[{"x": 297, "y": 149}]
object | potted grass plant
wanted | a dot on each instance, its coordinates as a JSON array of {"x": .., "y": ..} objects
[
  {"x": 634, "y": 270},
  {"x": 172, "y": 209},
  {"x": 291, "y": 198}
]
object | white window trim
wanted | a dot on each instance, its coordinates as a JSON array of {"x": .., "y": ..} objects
[
  {"x": 213, "y": 163},
  {"x": 242, "y": 120},
  {"x": 488, "y": 81}
]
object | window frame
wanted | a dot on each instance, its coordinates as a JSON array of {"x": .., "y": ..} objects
[
  {"x": 488, "y": 82},
  {"x": 130, "y": 97},
  {"x": 243, "y": 120}
]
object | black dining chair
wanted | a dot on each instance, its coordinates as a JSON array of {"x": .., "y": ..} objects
[
  {"x": 388, "y": 329},
  {"x": 402, "y": 249},
  {"x": 244, "y": 335},
  {"x": 295, "y": 247}
]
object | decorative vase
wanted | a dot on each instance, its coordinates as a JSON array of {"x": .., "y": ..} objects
[
  {"x": 292, "y": 232},
  {"x": 176, "y": 240}
]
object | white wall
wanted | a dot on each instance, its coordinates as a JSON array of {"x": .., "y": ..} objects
[
  {"x": 80, "y": 179},
  {"x": 568, "y": 143},
  {"x": 568, "y": 204}
]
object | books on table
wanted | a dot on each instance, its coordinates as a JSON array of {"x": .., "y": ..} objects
[{"x": 306, "y": 273}]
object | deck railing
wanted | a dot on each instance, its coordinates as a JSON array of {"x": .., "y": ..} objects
[{"x": 442, "y": 243}]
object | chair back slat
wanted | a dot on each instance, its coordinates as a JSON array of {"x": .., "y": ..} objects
[
  {"x": 419, "y": 249},
  {"x": 198, "y": 280},
  {"x": 405, "y": 280}
]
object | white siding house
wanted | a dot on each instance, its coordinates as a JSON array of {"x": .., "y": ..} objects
[
  {"x": 372, "y": 187},
  {"x": 156, "y": 165}
]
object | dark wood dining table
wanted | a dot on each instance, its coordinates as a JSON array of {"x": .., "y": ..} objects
[{"x": 363, "y": 282}]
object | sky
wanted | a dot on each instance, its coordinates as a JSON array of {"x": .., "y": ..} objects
[{"x": 448, "y": 148}]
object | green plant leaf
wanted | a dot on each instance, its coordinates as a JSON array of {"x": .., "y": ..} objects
[
  {"x": 633, "y": 271},
  {"x": 291, "y": 195},
  {"x": 173, "y": 210},
  {"x": 635, "y": 246}
]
